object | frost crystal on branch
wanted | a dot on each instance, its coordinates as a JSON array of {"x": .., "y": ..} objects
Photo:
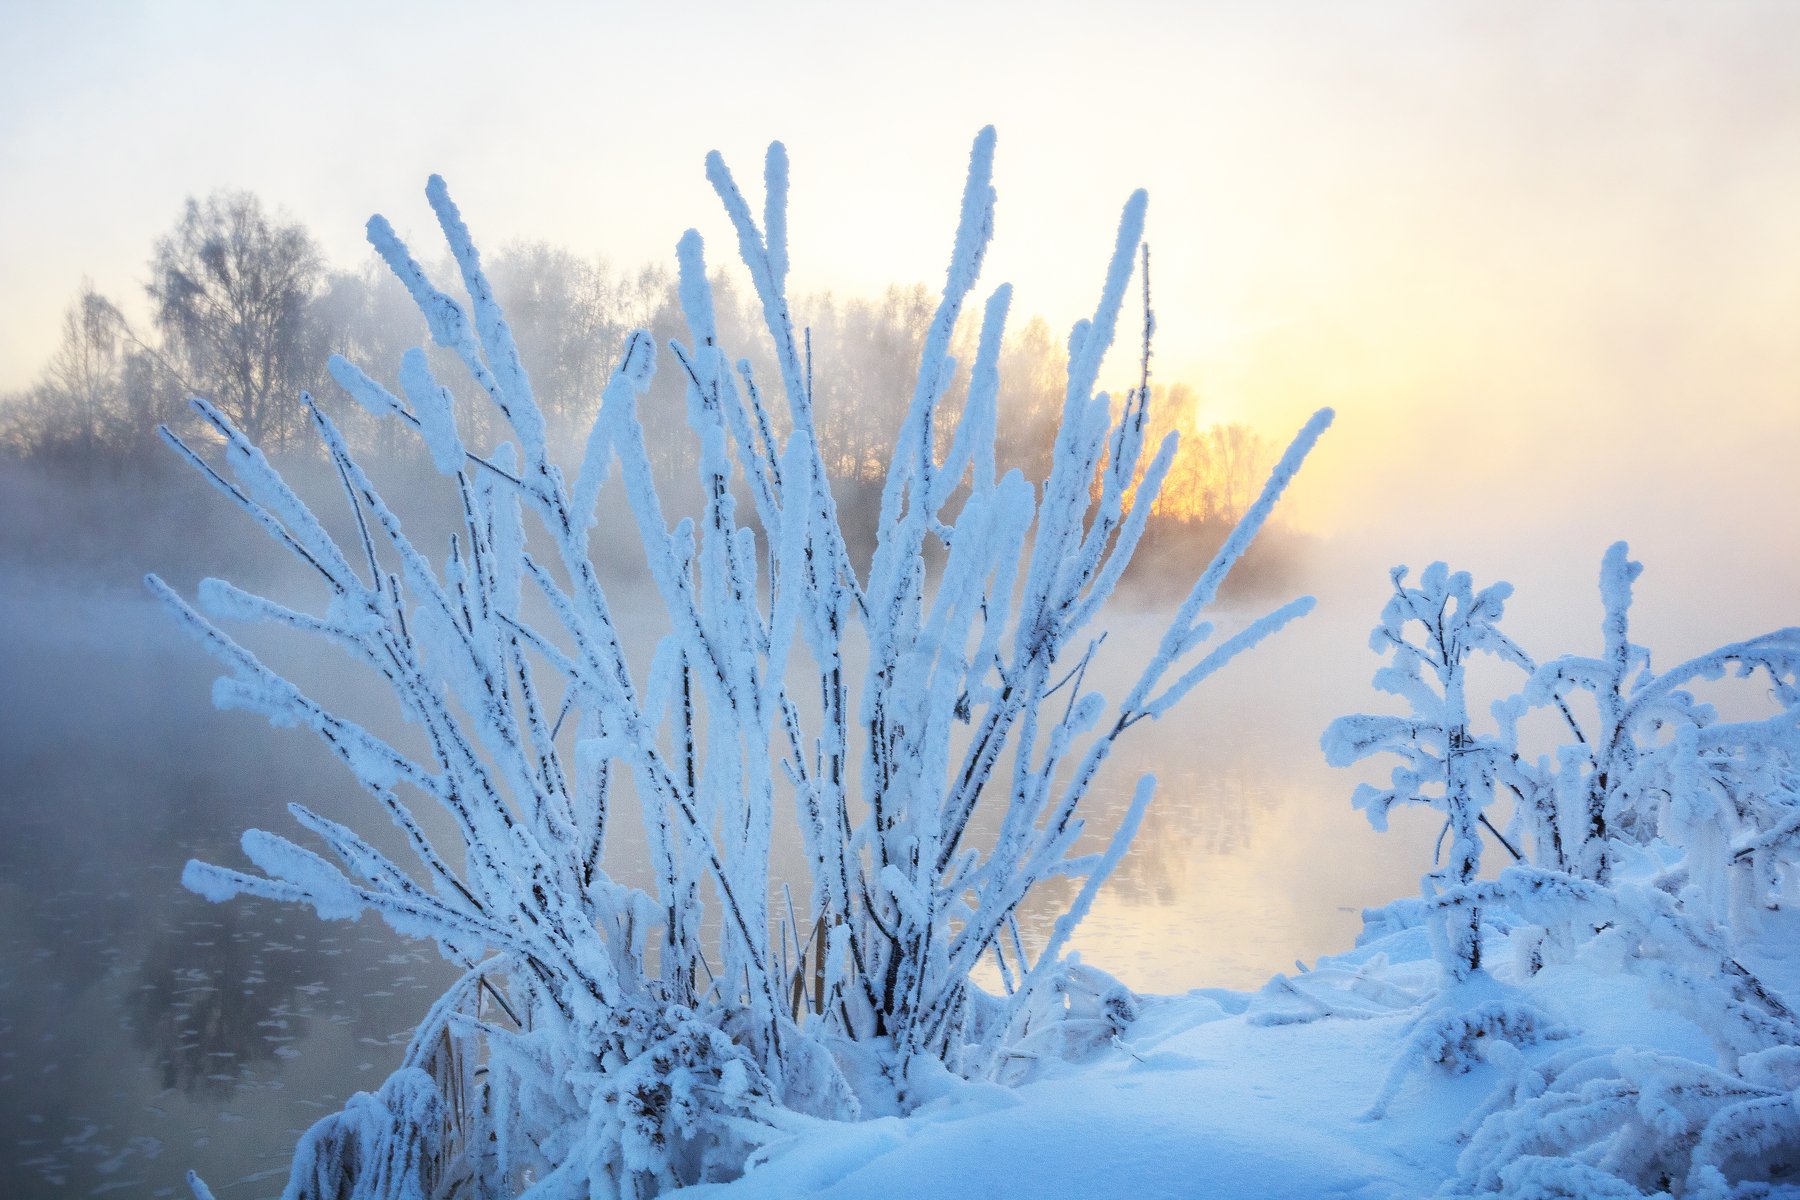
[{"x": 615, "y": 1040}]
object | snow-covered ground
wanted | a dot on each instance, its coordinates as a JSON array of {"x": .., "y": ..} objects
[{"x": 1237, "y": 1095}]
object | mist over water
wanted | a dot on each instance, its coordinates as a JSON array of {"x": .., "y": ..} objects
[{"x": 144, "y": 1031}]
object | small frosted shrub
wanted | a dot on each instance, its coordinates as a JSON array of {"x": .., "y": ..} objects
[
  {"x": 1430, "y": 631},
  {"x": 1644, "y": 845}
]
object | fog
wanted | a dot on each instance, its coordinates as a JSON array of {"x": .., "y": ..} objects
[{"x": 1542, "y": 259}]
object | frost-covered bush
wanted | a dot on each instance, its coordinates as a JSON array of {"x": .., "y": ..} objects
[
  {"x": 1458, "y": 1035},
  {"x": 1635, "y": 1123},
  {"x": 1647, "y": 845},
  {"x": 616, "y": 1040},
  {"x": 1430, "y": 631},
  {"x": 1710, "y": 807},
  {"x": 1654, "y": 762},
  {"x": 1691, "y": 966}
]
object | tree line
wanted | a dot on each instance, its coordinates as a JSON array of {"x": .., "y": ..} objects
[{"x": 244, "y": 310}]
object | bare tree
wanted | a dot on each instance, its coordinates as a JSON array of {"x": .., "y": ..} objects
[
  {"x": 99, "y": 396},
  {"x": 88, "y": 368},
  {"x": 573, "y": 314},
  {"x": 1235, "y": 459},
  {"x": 232, "y": 287}
]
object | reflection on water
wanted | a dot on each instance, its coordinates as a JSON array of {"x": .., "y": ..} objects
[
  {"x": 218, "y": 993},
  {"x": 1204, "y": 816},
  {"x": 184, "y": 1058},
  {"x": 142, "y": 1030}
]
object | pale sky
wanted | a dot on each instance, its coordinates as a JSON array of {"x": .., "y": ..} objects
[{"x": 1543, "y": 257}]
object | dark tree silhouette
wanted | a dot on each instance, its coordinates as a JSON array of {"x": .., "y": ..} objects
[{"x": 232, "y": 288}]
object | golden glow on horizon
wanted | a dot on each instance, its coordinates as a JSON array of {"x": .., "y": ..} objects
[{"x": 1528, "y": 250}]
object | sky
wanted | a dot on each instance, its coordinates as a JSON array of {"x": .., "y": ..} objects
[{"x": 1543, "y": 258}]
